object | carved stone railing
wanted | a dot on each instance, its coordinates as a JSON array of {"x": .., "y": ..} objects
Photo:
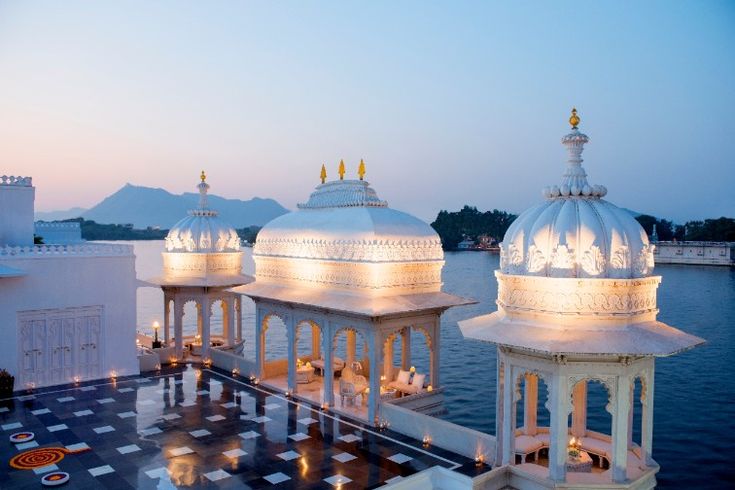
[
  {"x": 81, "y": 250},
  {"x": 16, "y": 180}
]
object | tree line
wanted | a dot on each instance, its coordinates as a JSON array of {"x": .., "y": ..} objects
[
  {"x": 453, "y": 227},
  {"x": 468, "y": 222}
]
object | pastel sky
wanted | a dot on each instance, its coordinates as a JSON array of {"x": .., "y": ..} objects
[{"x": 448, "y": 102}]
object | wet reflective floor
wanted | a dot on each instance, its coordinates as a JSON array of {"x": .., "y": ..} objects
[{"x": 199, "y": 428}]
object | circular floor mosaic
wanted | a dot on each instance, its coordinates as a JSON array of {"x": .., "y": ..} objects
[
  {"x": 19, "y": 437},
  {"x": 38, "y": 458},
  {"x": 55, "y": 479}
]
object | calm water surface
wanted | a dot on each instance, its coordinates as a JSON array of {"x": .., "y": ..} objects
[{"x": 694, "y": 421}]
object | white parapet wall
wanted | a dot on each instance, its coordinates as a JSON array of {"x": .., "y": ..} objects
[
  {"x": 232, "y": 363},
  {"x": 443, "y": 434}
]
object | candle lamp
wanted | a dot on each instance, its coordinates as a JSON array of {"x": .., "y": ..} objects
[{"x": 156, "y": 343}]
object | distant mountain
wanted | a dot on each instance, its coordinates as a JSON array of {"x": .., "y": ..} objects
[
  {"x": 59, "y": 215},
  {"x": 146, "y": 206}
]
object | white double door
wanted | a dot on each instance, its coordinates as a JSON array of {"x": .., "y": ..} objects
[{"x": 59, "y": 346}]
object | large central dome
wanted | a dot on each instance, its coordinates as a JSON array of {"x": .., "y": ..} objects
[
  {"x": 576, "y": 233},
  {"x": 344, "y": 236}
]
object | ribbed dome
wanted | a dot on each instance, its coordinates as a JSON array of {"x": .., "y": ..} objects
[
  {"x": 576, "y": 233},
  {"x": 345, "y": 220},
  {"x": 202, "y": 231}
]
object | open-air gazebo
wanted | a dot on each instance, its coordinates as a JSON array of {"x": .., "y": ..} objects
[
  {"x": 201, "y": 262},
  {"x": 345, "y": 263},
  {"x": 576, "y": 305}
]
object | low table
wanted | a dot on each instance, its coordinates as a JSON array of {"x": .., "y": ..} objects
[
  {"x": 582, "y": 464},
  {"x": 304, "y": 374},
  {"x": 388, "y": 393}
]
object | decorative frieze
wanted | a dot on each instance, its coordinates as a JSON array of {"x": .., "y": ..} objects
[
  {"x": 584, "y": 296},
  {"x": 413, "y": 276},
  {"x": 351, "y": 250},
  {"x": 200, "y": 264}
]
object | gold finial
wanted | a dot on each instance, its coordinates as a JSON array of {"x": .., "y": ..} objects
[
  {"x": 323, "y": 174},
  {"x": 203, "y": 176},
  {"x": 341, "y": 170},
  {"x": 361, "y": 169},
  {"x": 574, "y": 118}
]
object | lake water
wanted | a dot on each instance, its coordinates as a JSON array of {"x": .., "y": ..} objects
[{"x": 695, "y": 391}]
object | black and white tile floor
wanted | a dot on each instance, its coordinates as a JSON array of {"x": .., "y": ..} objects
[{"x": 202, "y": 429}]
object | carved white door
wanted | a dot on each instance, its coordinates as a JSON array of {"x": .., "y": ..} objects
[
  {"x": 56, "y": 346},
  {"x": 32, "y": 348}
]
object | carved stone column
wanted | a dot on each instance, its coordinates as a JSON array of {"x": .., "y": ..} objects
[
  {"x": 559, "y": 431},
  {"x": 227, "y": 320},
  {"x": 621, "y": 406},
  {"x": 166, "y": 319},
  {"x": 499, "y": 409},
  {"x": 292, "y": 352},
  {"x": 579, "y": 409},
  {"x": 238, "y": 316},
  {"x": 406, "y": 348},
  {"x": 508, "y": 422},
  {"x": 260, "y": 332},
  {"x": 375, "y": 339},
  {"x": 434, "y": 353},
  {"x": 351, "y": 346},
  {"x": 388, "y": 359},
  {"x": 315, "y": 342},
  {"x": 328, "y": 349},
  {"x": 179, "y": 328},
  {"x": 205, "y": 315},
  {"x": 530, "y": 402},
  {"x": 647, "y": 417}
]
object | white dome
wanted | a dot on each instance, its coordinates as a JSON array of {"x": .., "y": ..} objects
[
  {"x": 345, "y": 237},
  {"x": 575, "y": 233},
  {"x": 202, "y": 231},
  {"x": 344, "y": 220}
]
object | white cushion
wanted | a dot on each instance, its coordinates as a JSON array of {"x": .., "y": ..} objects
[
  {"x": 418, "y": 380},
  {"x": 527, "y": 444},
  {"x": 403, "y": 376}
]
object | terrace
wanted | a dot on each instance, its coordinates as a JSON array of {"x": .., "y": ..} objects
[{"x": 202, "y": 428}]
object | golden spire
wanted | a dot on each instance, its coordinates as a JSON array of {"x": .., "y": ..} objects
[
  {"x": 574, "y": 118},
  {"x": 323, "y": 174},
  {"x": 203, "y": 176},
  {"x": 341, "y": 170},
  {"x": 361, "y": 169}
]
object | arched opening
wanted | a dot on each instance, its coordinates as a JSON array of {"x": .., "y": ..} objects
[
  {"x": 351, "y": 350},
  {"x": 217, "y": 323},
  {"x": 308, "y": 337},
  {"x": 531, "y": 419},
  {"x": 275, "y": 346},
  {"x": 591, "y": 424}
]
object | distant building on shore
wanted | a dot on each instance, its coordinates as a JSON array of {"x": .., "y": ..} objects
[
  {"x": 695, "y": 253},
  {"x": 466, "y": 244}
]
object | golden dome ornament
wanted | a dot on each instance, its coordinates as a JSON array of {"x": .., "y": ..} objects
[{"x": 574, "y": 118}]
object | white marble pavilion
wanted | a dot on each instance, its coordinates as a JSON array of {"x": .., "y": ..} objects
[
  {"x": 576, "y": 305},
  {"x": 346, "y": 264},
  {"x": 201, "y": 262}
]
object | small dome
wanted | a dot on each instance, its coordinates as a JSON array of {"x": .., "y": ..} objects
[
  {"x": 576, "y": 233},
  {"x": 202, "y": 231},
  {"x": 345, "y": 237}
]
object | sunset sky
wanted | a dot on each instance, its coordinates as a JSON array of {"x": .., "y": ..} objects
[{"x": 449, "y": 103}]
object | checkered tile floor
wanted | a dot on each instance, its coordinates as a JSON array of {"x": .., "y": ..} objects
[{"x": 208, "y": 431}]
